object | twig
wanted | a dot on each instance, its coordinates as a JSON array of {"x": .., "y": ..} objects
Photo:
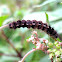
[
  {"x": 27, "y": 54},
  {"x": 3, "y": 27},
  {"x": 8, "y": 55},
  {"x": 19, "y": 55}
]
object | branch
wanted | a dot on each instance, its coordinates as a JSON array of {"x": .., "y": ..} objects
[
  {"x": 27, "y": 54},
  {"x": 19, "y": 55}
]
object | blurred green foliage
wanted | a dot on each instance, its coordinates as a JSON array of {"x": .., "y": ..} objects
[
  {"x": 12, "y": 10},
  {"x": 2, "y": 18}
]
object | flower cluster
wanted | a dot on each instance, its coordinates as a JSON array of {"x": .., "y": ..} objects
[
  {"x": 36, "y": 41},
  {"x": 54, "y": 50},
  {"x": 34, "y": 24}
]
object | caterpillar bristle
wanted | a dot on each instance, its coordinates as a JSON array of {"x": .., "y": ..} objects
[{"x": 34, "y": 24}]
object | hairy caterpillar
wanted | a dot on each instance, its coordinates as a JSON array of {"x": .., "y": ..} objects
[{"x": 34, "y": 24}]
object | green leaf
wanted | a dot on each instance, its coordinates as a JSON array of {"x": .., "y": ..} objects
[
  {"x": 2, "y": 18},
  {"x": 47, "y": 19},
  {"x": 44, "y": 3},
  {"x": 61, "y": 3},
  {"x": 45, "y": 59},
  {"x": 58, "y": 39},
  {"x": 29, "y": 57}
]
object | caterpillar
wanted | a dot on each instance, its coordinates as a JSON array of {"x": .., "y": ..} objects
[{"x": 34, "y": 24}]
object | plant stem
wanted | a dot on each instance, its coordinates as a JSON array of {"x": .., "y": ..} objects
[
  {"x": 19, "y": 55},
  {"x": 27, "y": 54},
  {"x": 51, "y": 60},
  {"x": 8, "y": 55},
  {"x": 3, "y": 27}
]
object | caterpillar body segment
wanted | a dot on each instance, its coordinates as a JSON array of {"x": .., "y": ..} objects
[{"x": 34, "y": 24}]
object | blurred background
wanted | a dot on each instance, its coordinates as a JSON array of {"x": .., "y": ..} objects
[{"x": 13, "y": 44}]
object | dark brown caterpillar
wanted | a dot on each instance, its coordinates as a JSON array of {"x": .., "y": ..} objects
[{"x": 34, "y": 24}]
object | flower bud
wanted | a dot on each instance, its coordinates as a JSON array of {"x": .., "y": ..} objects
[
  {"x": 50, "y": 44},
  {"x": 49, "y": 51},
  {"x": 54, "y": 50},
  {"x": 51, "y": 55},
  {"x": 61, "y": 51},
  {"x": 55, "y": 43},
  {"x": 57, "y": 53},
  {"x": 58, "y": 59},
  {"x": 58, "y": 46}
]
